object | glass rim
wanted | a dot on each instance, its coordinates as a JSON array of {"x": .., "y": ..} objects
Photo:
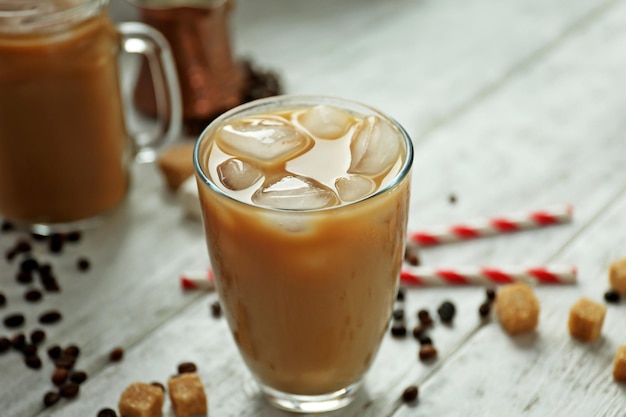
[
  {"x": 294, "y": 99},
  {"x": 24, "y": 17}
]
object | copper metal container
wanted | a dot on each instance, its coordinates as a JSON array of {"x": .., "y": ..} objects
[{"x": 210, "y": 79}]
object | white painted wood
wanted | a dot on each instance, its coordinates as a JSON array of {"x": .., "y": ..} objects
[
  {"x": 546, "y": 372},
  {"x": 494, "y": 374},
  {"x": 532, "y": 134},
  {"x": 420, "y": 61}
]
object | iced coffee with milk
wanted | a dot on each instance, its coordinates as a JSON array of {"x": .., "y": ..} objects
[
  {"x": 65, "y": 150},
  {"x": 305, "y": 203}
]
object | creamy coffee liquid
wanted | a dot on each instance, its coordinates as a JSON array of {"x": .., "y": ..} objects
[
  {"x": 62, "y": 134},
  {"x": 307, "y": 260}
]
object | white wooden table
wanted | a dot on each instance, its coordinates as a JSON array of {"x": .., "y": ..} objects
[{"x": 511, "y": 104}]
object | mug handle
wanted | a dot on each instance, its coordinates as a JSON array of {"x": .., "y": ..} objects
[{"x": 139, "y": 38}]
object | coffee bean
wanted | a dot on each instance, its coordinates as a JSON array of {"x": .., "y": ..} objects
[
  {"x": 216, "y": 309},
  {"x": 83, "y": 264},
  {"x": 59, "y": 376},
  {"x": 410, "y": 394},
  {"x": 24, "y": 277},
  {"x": 14, "y": 320},
  {"x": 5, "y": 344},
  {"x": 29, "y": 350},
  {"x": 3, "y": 299},
  {"x": 69, "y": 390},
  {"x": 33, "y": 295},
  {"x": 18, "y": 341},
  {"x": 22, "y": 246},
  {"x": 612, "y": 296},
  {"x": 187, "y": 367},
  {"x": 72, "y": 350},
  {"x": 398, "y": 330},
  {"x": 10, "y": 254},
  {"x": 116, "y": 354},
  {"x": 424, "y": 317},
  {"x": 45, "y": 270},
  {"x": 425, "y": 340},
  {"x": 427, "y": 352},
  {"x": 446, "y": 312},
  {"x": 400, "y": 295},
  {"x": 7, "y": 226},
  {"x": 418, "y": 331},
  {"x": 158, "y": 385},
  {"x": 33, "y": 362},
  {"x": 37, "y": 336},
  {"x": 107, "y": 412},
  {"x": 29, "y": 265},
  {"x": 411, "y": 254},
  {"x": 50, "y": 283},
  {"x": 272, "y": 82},
  {"x": 65, "y": 361},
  {"x": 50, "y": 317},
  {"x": 259, "y": 92},
  {"x": 51, "y": 398},
  {"x": 484, "y": 309},
  {"x": 398, "y": 314},
  {"x": 490, "y": 293},
  {"x": 54, "y": 352},
  {"x": 55, "y": 243},
  {"x": 78, "y": 377},
  {"x": 73, "y": 236}
]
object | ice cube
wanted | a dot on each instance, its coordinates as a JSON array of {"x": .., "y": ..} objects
[
  {"x": 269, "y": 141},
  {"x": 375, "y": 147},
  {"x": 238, "y": 175},
  {"x": 326, "y": 122},
  {"x": 295, "y": 193},
  {"x": 354, "y": 187}
]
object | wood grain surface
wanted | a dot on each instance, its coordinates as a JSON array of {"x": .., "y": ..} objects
[{"x": 511, "y": 105}]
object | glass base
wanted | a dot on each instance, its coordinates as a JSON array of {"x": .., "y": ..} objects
[
  {"x": 311, "y": 403},
  {"x": 48, "y": 229}
]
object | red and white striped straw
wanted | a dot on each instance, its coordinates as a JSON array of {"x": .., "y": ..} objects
[
  {"x": 474, "y": 275},
  {"x": 493, "y": 226},
  {"x": 428, "y": 276},
  {"x": 197, "y": 280}
]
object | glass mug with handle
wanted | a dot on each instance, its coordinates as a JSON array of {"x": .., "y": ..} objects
[
  {"x": 65, "y": 149},
  {"x": 305, "y": 203}
]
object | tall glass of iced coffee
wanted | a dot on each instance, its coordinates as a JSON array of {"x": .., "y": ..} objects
[{"x": 305, "y": 203}]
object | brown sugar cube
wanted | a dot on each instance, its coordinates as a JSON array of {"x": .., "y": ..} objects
[
  {"x": 176, "y": 164},
  {"x": 617, "y": 276},
  {"x": 187, "y": 395},
  {"x": 141, "y": 400},
  {"x": 619, "y": 364},
  {"x": 517, "y": 308},
  {"x": 585, "y": 319}
]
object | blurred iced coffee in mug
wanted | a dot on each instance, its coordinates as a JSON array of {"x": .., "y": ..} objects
[
  {"x": 305, "y": 204},
  {"x": 64, "y": 146}
]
